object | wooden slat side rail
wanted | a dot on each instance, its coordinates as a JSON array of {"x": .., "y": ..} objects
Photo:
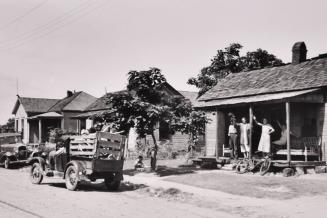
[
  {"x": 83, "y": 145},
  {"x": 83, "y": 141},
  {"x": 110, "y": 144},
  {"x": 106, "y": 151},
  {"x": 110, "y": 136},
  {"x": 82, "y": 153},
  {"x": 84, "y": 137},
  {"x": 104, "y": 144}
]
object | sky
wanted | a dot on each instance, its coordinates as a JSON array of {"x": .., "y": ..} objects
[{"x": 51, "y": 46}]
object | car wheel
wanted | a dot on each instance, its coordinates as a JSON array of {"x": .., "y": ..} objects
[
  {"x": 7, "y": 163},
  {"x": 242, "y": 167},
  {"x": 36, "y": 175},
  {"x": 71, "y": 177},
  {"x": 265, "y": 166},
  {"x": 111, "y": 184}
]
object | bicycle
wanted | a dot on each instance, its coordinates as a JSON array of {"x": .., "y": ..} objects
[{"x": 249, "y": 165}]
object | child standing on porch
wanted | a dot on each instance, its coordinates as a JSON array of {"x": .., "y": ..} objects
[
  {"x": 232, "y": 133},
  {"x": 267, "y": 129}
]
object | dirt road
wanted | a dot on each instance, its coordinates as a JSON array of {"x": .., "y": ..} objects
[{"x": 19, "y": 198}]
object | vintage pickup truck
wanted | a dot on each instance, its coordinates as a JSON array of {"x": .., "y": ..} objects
[{"x": 88, "y": 157}]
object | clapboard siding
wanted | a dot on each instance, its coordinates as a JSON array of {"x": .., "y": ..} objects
[
  {"x": 221, "y": 132},
  {"x": 180, "y": 141},
  {"x": 211, "y": 134},
  {"x": 322, "y": 128}
]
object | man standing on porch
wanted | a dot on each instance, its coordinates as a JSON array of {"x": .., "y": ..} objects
[
  {"x": 232, "y": 133},
  {"x": 267, "y": 129}
]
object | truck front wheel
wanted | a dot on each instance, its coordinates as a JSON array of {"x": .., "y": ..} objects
[
  {"x": 72, "y": 178},
  {"x": 36, "y": 174}
]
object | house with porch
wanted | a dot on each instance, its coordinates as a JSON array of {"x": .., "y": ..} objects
[
  {"x": 294, "y": 95},
  {"x": 35, "y": 116}
]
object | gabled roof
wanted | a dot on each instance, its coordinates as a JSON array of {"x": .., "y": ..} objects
[
  {"x": 192, "y": 96},
  {"x": 292, "y": 77},
  {"x": 34, "y": 105},
  {"x": 79, "y": 101},
  {"x": 100, "y": 103}
]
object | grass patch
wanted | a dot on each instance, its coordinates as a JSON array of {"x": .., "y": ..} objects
[{"x": 254, "y": 186}]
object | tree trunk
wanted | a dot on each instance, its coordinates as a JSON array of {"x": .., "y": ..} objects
[
  {"x": 154, "y": 150},
  {"x": 190, "y": 149}
]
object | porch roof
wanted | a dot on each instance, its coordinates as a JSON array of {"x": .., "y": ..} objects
[
  {"x": 254, "y": 98},
  {"x": 92, "y": 114},
  {"x": 47, "y": 115}
]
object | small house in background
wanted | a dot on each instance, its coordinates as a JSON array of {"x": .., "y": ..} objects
[
  {"x": 162, "y": 134},
  {"x": 35, "y": 116},
  {"x": 294, "y": 95}
]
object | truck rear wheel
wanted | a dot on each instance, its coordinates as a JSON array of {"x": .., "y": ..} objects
[
  {"x": 71, "y": 177},
  {"x": 36, "y": 174},
  {"x": 111, "y": 184}
]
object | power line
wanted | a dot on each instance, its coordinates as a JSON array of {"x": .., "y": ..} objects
[
  {"x": 19, "y": 18},
  {"x": 53, "y": 25},
  {"x": 50, "y": 23}
]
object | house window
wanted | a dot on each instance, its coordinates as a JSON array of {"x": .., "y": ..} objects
[
  {"x": 16, "y": 126},
  {"x": 22, "y": 129},
  {"x": 164, "y": 131}
]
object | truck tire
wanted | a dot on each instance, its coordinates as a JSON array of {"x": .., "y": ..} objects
[
  {"x": 111, "y": 184},
  {"x": 36, "y": 174},
  {"x": 7, "y": 163},
  {"x": 71, "y": 178}
]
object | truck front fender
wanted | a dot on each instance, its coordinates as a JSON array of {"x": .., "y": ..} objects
[
  {"x": 39, "y": 160},
  {"x": 9, "y": 155},
  {"x": 79, "y": 167}
]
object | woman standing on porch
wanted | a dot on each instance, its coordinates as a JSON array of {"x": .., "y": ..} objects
[
  {"x": 267, "y": 129},
  {"x": 244, "y": 137}
]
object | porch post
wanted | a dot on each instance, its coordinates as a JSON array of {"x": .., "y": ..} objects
[
  {"x": 78, "y": 126},
  {"x": 40, "y": 131},
  {"x": 288, "y": 122},
  {"x": 251, "y": 130}
]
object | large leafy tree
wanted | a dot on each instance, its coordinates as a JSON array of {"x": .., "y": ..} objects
[
  {"x": 229, "y": 61},
  {"x": 146, "y": 104}
]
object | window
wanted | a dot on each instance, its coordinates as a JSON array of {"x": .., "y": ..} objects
[
  {"x": 164, "y": 131},
  {"x": 22, "y": 129}
]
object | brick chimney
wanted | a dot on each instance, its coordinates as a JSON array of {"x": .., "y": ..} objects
[
  {"x": 69, "y": 93},
  {"x": 299, "y": 53}
]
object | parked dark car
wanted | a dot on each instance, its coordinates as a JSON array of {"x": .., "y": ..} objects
[{"x": 12, "y": 150}]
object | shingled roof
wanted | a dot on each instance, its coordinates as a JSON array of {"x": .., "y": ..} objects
[
  {"x": 100, "y": 103},
  {"x": 192, "y": 96},
  {"x": 306, "y": 75},
  {"x": 79, "y": 101},
  {"x": 34, "y": 105}
]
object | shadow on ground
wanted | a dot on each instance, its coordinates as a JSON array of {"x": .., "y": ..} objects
[
  {"x": 100, "y": 187},
  {"x": 163, "y": 170}
]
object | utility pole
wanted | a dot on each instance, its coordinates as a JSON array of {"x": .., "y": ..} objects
[{"x": 17, "y": 93}]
